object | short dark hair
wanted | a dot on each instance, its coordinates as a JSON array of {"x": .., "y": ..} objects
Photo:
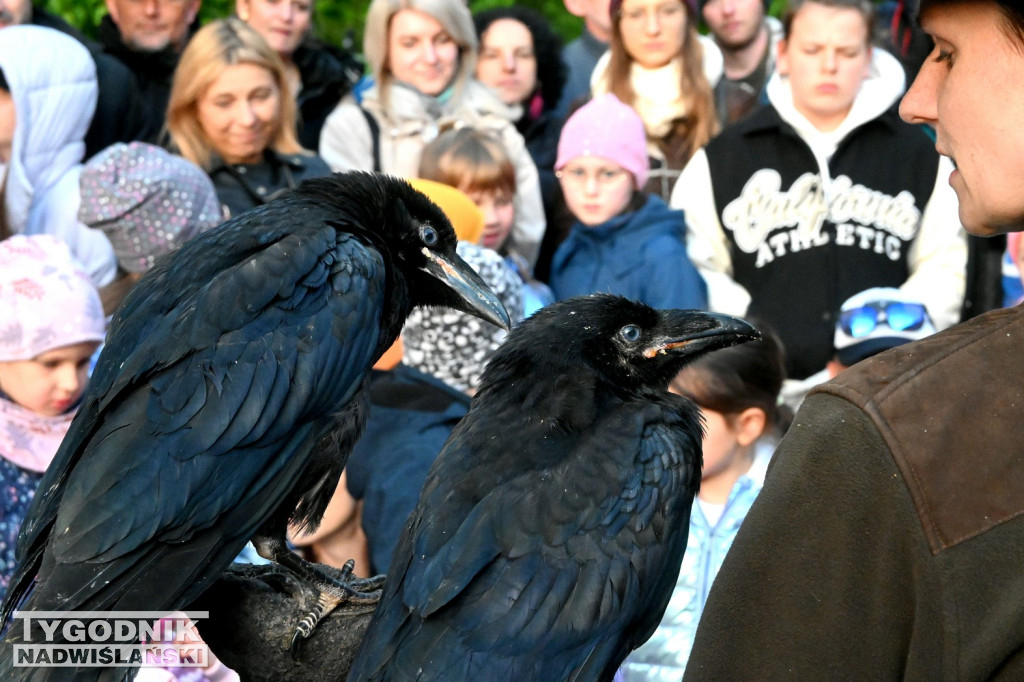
[
  {"x": 547, "y": 47},
  {"x": 736, "y": 378},
  {"x": 865, "y": 7},
  {"x": 1013, "y": 17}
]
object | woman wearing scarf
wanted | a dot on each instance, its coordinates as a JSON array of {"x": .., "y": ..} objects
[{"x": 422, "y": 55}]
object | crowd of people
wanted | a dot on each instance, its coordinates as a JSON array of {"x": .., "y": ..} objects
[{"x": 684, "y": 153}]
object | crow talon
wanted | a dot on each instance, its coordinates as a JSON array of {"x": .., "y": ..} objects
[{"x": 305, "y": 627}]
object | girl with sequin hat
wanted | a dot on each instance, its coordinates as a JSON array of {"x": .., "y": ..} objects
[{"x": 147, "y": 202}]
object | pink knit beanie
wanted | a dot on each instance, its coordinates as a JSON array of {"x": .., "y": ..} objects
[
  {"x": 47, "y": 300},
  {"x": 607, "y": 128}
]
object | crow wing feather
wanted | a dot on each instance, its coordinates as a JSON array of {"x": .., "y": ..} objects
[{"x": 526, "y": 557}]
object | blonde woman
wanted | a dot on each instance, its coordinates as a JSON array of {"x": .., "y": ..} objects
[
  {"x": 231, "y": 112},
  {"x": 422, "y": 56},
  {"x": 660, "y": 66},
  {"x": 319, "y": 74}
]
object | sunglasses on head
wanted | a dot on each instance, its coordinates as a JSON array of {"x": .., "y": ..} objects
[{"x": 899, "y": 316}]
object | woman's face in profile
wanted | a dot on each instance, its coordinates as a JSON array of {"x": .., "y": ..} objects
[
  {"x": 420, "y": 52},
  {"x": 240, "y": 112}
]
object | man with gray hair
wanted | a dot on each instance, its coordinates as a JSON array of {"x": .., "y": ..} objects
[{"x": 148, "y": 36}]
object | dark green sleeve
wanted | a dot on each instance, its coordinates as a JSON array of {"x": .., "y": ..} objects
[{"x": 821, "y": 580}]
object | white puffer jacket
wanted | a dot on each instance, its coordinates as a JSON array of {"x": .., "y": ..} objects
[{"x": 52, "y": 80}]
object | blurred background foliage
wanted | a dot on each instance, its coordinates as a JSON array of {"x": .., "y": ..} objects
[
  {"x": 336, "y": 21},
  {"x": 339, "y": 22}
]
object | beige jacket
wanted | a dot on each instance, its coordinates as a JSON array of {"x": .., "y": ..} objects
[{"x": 413, "y": 120}]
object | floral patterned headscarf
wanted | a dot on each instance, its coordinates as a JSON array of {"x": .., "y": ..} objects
[{"x": 454, "y": 346}]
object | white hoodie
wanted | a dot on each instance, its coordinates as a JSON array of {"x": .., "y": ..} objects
[{"x": 937, "y": 257}]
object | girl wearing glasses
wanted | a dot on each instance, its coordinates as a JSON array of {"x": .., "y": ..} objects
[
  {"x": 660, "y": 66},
  {"x": 624, "y": 241}
]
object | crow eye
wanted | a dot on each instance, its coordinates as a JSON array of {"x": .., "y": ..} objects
[
  {"x": 630, "y": 333},
  {"x": 429, "y": 235}
]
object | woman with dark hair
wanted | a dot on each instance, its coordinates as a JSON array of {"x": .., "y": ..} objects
[{"x": 517, "y": 46}]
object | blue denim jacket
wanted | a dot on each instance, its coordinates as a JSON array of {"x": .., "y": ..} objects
[{"x": 664, "y": 655}]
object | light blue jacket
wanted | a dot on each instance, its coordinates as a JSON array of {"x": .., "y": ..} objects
[{"x": 664, "y": 655}]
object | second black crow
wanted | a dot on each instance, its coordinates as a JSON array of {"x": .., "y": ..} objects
[{"x": 550, "y": 531}]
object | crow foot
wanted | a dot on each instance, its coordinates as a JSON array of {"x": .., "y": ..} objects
[
  {"x": 327, "y": 586},
  {"x": 334, "y": 588}
]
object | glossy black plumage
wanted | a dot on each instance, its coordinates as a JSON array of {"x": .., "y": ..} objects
[
  {"x": 549, "y": 534},
  {"x": 230, "y": 391}
]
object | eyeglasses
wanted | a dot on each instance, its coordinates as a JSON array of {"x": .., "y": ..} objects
[
  {"x": 859, "y": 322},
  {"x": 665, "y": 13},
  {"x": 604, "y": 177}
]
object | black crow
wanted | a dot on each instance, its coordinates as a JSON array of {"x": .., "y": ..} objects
[
  {"x": 229, "y": 393},
  {"x": 549, "y": 533}
]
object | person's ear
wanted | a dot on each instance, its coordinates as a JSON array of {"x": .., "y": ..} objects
[
  {"x": 242, "y": 9},
  {"x": 576, "y": 8},
  {"x": 750, "y": 425},
  {"x": 782, "y": 57},
  {"x": 112, "y": 10},
  {"x": 867, "y": 66},
  {"x": 193, "y": 11}
]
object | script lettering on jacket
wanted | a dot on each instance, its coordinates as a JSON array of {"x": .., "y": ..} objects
[{"x": 864, "y": 218}]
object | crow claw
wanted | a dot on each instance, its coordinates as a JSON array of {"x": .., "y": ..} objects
[{"x": 333, "y": 591}]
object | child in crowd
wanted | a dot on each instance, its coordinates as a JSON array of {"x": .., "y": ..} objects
[
  {"x": 51, "y": 322},
  {"x": 624, "y": 241},
  {"x": 868, "y": 323},
  {"x": 737, "y": 390},
  {"x": 48, "y": 94},
  {"x": 475, "y": 162},
  {"x": 147, "y": 202},
  {"x": 824, "y": 191}
]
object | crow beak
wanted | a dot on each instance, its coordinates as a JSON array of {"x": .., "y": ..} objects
[
  {"x": 691, "y": 332},
  {"x": 473, "y": 295}
]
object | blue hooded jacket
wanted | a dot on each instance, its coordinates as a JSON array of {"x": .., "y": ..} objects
[
  {"x": 412, "y": 416},
  {"x": 640, "y": 255}
]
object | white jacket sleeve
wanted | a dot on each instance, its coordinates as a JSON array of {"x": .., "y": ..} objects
[
  {"x": 56, "y": 213},
  {"x": 345, "y": 141},
  {"x": 705, "y": 238},
  {"x": 938, "y": 257}
]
